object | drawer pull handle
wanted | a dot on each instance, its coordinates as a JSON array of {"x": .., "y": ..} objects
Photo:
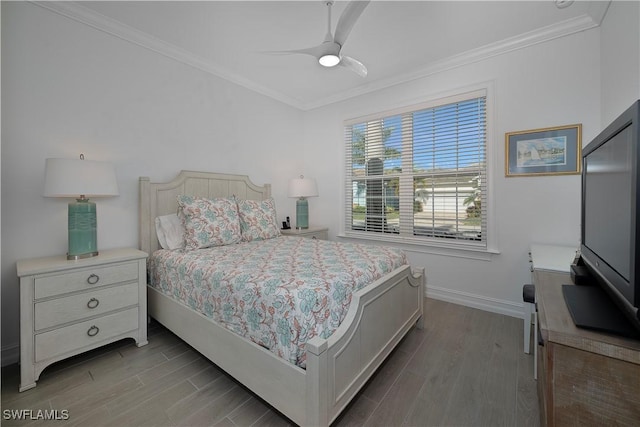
[
  {"x": 93, "y": 331},
  {"x": 93, "y": 303},
  {"x": 93, "y": 279}
]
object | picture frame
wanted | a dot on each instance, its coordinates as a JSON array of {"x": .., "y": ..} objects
[{"x": 547, "y": 151}]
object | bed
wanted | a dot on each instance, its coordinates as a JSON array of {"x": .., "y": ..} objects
[{"x": 333, "y": 369}]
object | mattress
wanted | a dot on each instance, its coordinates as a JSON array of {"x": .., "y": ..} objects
[{"x": 280, "y": 292}]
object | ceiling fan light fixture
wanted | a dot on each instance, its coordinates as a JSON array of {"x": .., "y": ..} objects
[
  {"x": 329, "y": 60},
  {"x": 328, "y": 52}
]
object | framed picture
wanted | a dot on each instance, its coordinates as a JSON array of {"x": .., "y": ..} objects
[{"x": 548, "y": 151}]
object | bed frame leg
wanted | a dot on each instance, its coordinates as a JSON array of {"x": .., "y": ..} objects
[
  {"x": 417, "y": 280},
  {"x": 420, "y": 322},
  {"x": 317, "y": 412}
]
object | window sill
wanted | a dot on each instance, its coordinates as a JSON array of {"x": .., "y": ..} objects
[{"x": 416, "y": 245}]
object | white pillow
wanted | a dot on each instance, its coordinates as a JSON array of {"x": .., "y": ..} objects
[{"x": 170, "y": 231}]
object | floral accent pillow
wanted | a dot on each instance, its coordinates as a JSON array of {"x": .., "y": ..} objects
[
  {"x": 258, "y": 219},
  {"x": 209, "y": 222}
]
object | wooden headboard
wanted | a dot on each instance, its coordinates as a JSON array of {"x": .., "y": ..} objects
[{"x": 158, "y": 199}]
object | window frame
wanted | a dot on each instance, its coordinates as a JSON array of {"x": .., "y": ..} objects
[{"x": 422, "y": 243}]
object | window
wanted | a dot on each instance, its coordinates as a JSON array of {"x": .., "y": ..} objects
[{"x": 419, "y": 174}]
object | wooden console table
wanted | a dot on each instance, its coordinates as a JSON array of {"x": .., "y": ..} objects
[{"x": 584, "y": 377}]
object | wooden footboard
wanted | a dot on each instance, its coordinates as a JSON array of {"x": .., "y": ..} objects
[{"x": 379, "y": 317}]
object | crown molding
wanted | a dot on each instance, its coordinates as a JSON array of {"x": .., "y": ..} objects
[
  {"x": 117, "y": 29},
  {"x": 541, "y": 35},
  {"x": 598, "y": 10},
  {"x": 122, "y": 31}
]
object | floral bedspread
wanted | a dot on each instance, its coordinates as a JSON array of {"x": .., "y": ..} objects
[{"x": 279, "y": 292}]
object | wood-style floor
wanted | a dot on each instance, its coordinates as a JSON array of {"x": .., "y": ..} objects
[{"x": 465, "y": 368}]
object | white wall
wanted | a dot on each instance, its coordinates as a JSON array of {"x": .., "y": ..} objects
[
  {"x": 69, "y": 89},
  {"x": 620, "y": 52},
  {"x": 532, "y": 89}
]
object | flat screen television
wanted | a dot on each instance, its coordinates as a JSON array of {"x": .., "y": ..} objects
[{"x": 610, "y": 227}]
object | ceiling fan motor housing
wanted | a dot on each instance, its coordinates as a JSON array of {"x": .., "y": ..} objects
[{"x": 330, "y": 56}]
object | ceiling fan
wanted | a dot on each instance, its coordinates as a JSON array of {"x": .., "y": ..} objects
[{"x": 328, "y": 52}]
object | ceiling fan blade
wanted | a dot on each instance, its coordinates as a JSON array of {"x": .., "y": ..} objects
[
  {"x": 313, "y": 51},
  {"x": 354, "y": 65},
  {"x": 348, "y": 19}
]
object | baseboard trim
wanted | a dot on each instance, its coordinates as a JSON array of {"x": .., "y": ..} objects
[
  {"x": 9, "y": 355},
  {"x": 480, "y": 302}
]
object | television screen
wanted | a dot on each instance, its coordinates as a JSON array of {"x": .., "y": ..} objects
[
  {"x": 607, "y": 199},
  {"x": 610, "y": 233}
]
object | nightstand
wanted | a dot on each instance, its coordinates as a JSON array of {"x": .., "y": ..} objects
[
  {"x": 321, "y": 233},
  {"x": 70, "y": 306}
]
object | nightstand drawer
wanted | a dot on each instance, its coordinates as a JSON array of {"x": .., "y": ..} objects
[
  {"x": 59, "y": 341},
  {"x": 80, "y": 280},
  {"x": 57, "y": 311},
  {"x": 321, "y": 233}
]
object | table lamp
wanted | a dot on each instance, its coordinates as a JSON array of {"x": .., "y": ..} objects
[
  {"x": 80, "y": 179},
  {"x": 302, "y": 188}
]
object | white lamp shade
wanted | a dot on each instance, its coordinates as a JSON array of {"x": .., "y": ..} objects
[
  {"x": 303, "y": 187},
  {"x": 75, "y": 177}
]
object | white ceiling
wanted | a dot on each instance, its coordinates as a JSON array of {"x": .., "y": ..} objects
[{"x": 396, "y": 40}]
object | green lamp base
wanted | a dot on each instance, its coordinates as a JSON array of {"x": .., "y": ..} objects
[
  {"x": 302, "y": 213},
  {"x": 83, "y": 236}
]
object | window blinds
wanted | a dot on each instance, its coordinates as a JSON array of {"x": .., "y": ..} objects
[{"x": 419, "y": 173}]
